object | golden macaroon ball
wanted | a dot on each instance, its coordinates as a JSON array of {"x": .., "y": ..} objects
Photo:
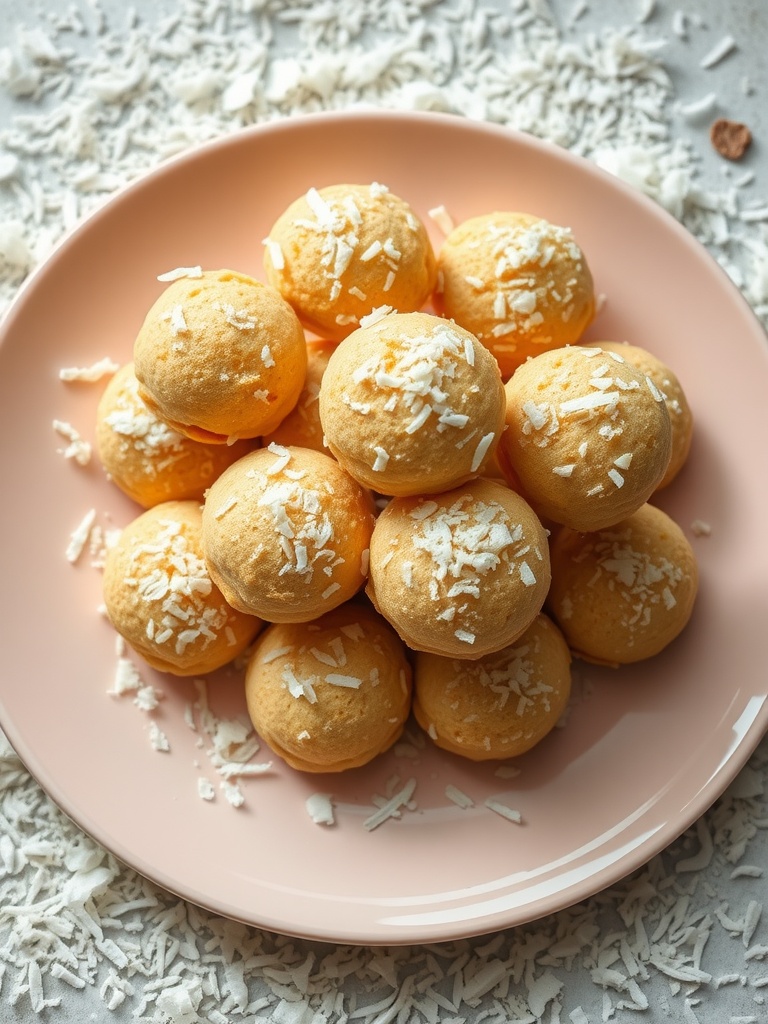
[
  {"x": 412, "y": 404},
  {"x": 331, "y": 694},
  {"x": 623, "y": 593},
  {"x": 286, "y": 534},
  {"x": 501, "y": 705},
  {"x": 302, "y": 426},
  {"x": 145, "y": 457},
  {"x": 220, "y": 356},
  {"x": 337, "y": 253},
  {"x": 588, "y": 436},
  {"x": 678, "y": 407},
  {"x": 521, "y": 284},
  {"x": 160, "y": 597},
  {"x": 462, "y": 573}
]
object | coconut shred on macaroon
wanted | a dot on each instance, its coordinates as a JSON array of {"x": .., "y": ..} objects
[
  {"x": 518, "y": 282},
  {"x": 412, "y": 404},
  {"x": 286, "y": 534},
  {"x": 588, "y": 436},
  {"x": 332, "y": 694},
  {"x": 220, "y": 357},
  {"x": 337, "y": 253},
  {"x": 161, "y": 599},
  {"x": 459, "y": 574}
]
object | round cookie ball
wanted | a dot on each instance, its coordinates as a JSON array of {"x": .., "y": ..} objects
[
  {"x": 624, "y": 593},
  {"x": 680, "y": 415},
  {"x": 588, "y": 437},
  {"x": 220, "y": 357},
  {"x": 331, "y": 694},
  {"x": 460, "y": 574},
  {"x": 519, "y": 283},
  {"x": 160, "y": 598},
  {"x": 147, "y": 459},
  {"x": 339, "y": 252},
  {"x": 412, "y": 404},
  {"x": 501, "y": 705},
  {"x": 302, "y": 426},
  {"x": 286, "y": 534}
]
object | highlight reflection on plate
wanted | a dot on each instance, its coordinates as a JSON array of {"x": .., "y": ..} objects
[{"x": 644, "y": 751}]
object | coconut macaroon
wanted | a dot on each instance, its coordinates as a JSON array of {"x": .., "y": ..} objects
[
  {"x": 286, "y": 534},
  {"x": 588, "y": 436},
  {"x": 302, "y": 427},
  {"x": 220, "y": 357},
  {"x": 412, "y": 404},
  {"x": 501, "y": 705},
  {"x": 339, "y": 252},
  {"x": 147, "y": 459},
  {"x": 160, "y": 597},
  {"x": 623, "y": 594},
  {"x": 680, "y": 415},
  {"x": 331, "y": 694},
  {"x": 460, "y": 574},
  {"x": 519, "y": 283}
]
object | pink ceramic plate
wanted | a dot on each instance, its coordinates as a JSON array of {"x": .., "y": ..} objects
[{"x": 645, "y": 750}]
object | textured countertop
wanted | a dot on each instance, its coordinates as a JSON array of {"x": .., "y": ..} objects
[{"x": 684, "y": 938}]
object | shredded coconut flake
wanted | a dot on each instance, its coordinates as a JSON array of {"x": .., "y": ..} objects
[
  {"x": 275, "y": 253},
  {"x": 465, "y": 636},
  {"x": 79, "y": 538},
  {"x": 458, "y": 797},
  {"x": 180, "y": 272},
  {"x": 500, "y": 808},
  {"x": 718, "y": 52},
  {"x": 336, "y": 679},
  {"x": 158, "y": 739},
  {"x": 205, "y": 789},
  {"x": 391, "y": 808},
  {"x": 701, "y": 528},
  {"x": 441, "y": 217},
  {"x": 320, "y": 808},
  {"x": 375, "y": 315},
  {"x": 78, "y": 449},
  {"x": 481, "y": 451},
  {"x": 90, "y": 374}
]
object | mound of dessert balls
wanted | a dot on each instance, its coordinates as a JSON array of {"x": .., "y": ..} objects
[
  {"x": 220, "y": 356},
  {"x": 145, "y": 457},
  {"x": 501, "y": 705},
  {"x": 286, "y": 534},
  {"x": 332, "y": 694},
  {"x": 160, "y": 598},
  {"x": 462, "y": 573},
  {"x": 519, "y": 283},
  {"x": 412, "y": 404},
  {"x": 623, "y": 593},
  {"x": 339, "y": 252},
  {"x": 383, "y": 501},
  {"x": 588, "y": 437}
]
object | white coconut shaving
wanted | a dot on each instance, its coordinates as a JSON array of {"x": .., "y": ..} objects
[
  {"x": 89, "y": 374},
  {"x": 78, "y": 449},
  {"x": 79, "y": 537},
  {"x": 320, "y": 808},
  {"x": 93, "y": 101}
]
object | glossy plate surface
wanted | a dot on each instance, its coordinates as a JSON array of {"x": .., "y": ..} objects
[{"x": 644, "y": 751}]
